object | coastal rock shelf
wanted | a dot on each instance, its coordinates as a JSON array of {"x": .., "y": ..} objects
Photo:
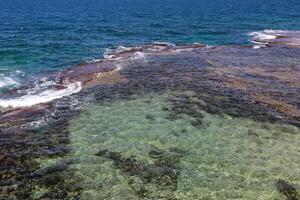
[{"x": 161, "y": 121}]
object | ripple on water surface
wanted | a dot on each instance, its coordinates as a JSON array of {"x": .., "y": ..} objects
[{"x": 165, "y": 147}]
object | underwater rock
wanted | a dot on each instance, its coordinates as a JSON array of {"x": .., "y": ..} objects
[
  {"x": 101, "y": 153},
  {"x": 22, "y": 143},
  {"x": 150, "y": 117},
  {"x": 171, "y": 159},
  {"x": 142, "y": 193},
  {"x": 277, "y": 38},
  {"x": 156, "y": 153},
  {"x": 220, "y": 81},
  {"x": 253, "y": 133},
  {"x": 185, "y": 104},
  {"x": 59, "y": 167},
  {"x": 163, "y": 173},
  {"x": 93, "y": 74},
  {"x": 287, "y": 190},
  {"x": 177, "y": 151}
]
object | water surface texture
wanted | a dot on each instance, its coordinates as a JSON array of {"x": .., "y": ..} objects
[
  {"x": 43, "y": 35},
  {"x": 150, "y": 100},
  {"x": 135, "y": 150}
]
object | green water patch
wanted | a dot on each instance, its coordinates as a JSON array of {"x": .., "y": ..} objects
[{"x": 166, "y": 147}]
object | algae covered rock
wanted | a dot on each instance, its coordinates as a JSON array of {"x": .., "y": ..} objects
[
  {"x": 287, "y": 190},
  {"x": 147, "y": 147}
]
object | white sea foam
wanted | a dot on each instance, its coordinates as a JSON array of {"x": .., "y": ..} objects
[
  {"x": 138, "y": 55},
  {"x": 138, "y": 52},
  {"x": 278, "y": 37},
  {"x": 257, "y": 46},
  {"x": 263, "y": 35},
  {"x": 119, "y": 68},
  {"x": 268, "y": 35},
  {"x": 10, "y": 78},
  {"x": 263, "y": 38},
  {"x": 122, "y": 48},
  {"x": 7, "y": 81},
  {"x": 119, "y": 49},
  {"x": 40, "y": 85},
  {"x": 94, "y": 60},
  {"x": 110, "y": 54},
  {"x": 41, "y": 97}
]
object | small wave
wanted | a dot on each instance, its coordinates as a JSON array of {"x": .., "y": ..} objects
[
  {"x": 111, "y": 53},
  {"x": 138, "y": 55},
  {"x": 122, "y": 53},
  {"x": 11, "y": 78},
  {"x": 119, "y": 53},
  {"x": 7, "y": 81},
  {"x": 268, "y": 36},
  {"x": 169, "y": 44},
  {"x": 41, "y": 97},
  {"x": 257, "y": 46},
  {"x": 263, "y": 35}
]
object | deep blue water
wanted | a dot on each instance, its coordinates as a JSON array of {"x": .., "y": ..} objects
[{"x": 42, "y": 35}]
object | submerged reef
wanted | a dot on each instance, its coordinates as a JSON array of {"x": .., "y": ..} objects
[
  {"x": 119, "y": 152},
  {"x": 161, "y": 121},
  {"x": 287, "y": 190}
]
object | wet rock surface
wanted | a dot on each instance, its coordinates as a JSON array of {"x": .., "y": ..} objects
[
  {"x": 287, "y": 190},
  {"x": 277, "y": 38},
  {"x": 261, "y": 84},
  {"x": 163, "y": 172}
]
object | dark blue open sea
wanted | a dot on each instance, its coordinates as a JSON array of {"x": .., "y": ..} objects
[
  {"x": 150, "y": 99},
  {"x": 43, "y": 35}
]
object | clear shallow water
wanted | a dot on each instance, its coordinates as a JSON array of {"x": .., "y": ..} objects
[
  {"x": 130, "y": 132},
  {"x": 135, "y": 149},
  {"x": 42, "y": 35}
]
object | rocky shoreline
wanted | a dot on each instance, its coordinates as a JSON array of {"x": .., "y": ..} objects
[{"x": 260, "y": 84}]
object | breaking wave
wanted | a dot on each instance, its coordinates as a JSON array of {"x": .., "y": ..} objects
[
  {"x": 269, "y": 37},
  {"x": 44, "y": 96},
  {"x": 11, "y": 78},
  {"x": 7, "y": 81}
]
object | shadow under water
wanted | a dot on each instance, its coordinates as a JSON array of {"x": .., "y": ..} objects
[
  {"x": 136, "y": 149},
  {"x": 162, "y": 122}
]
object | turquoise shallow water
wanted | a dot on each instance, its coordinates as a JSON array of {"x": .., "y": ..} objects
[
  {"x": 135, "y": 149},
  {"x": 155, "y": 121},
  {"x": 42, "y": 35}
]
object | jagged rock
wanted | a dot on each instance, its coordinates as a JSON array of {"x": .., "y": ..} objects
[{"x": 286, "y": 189}]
